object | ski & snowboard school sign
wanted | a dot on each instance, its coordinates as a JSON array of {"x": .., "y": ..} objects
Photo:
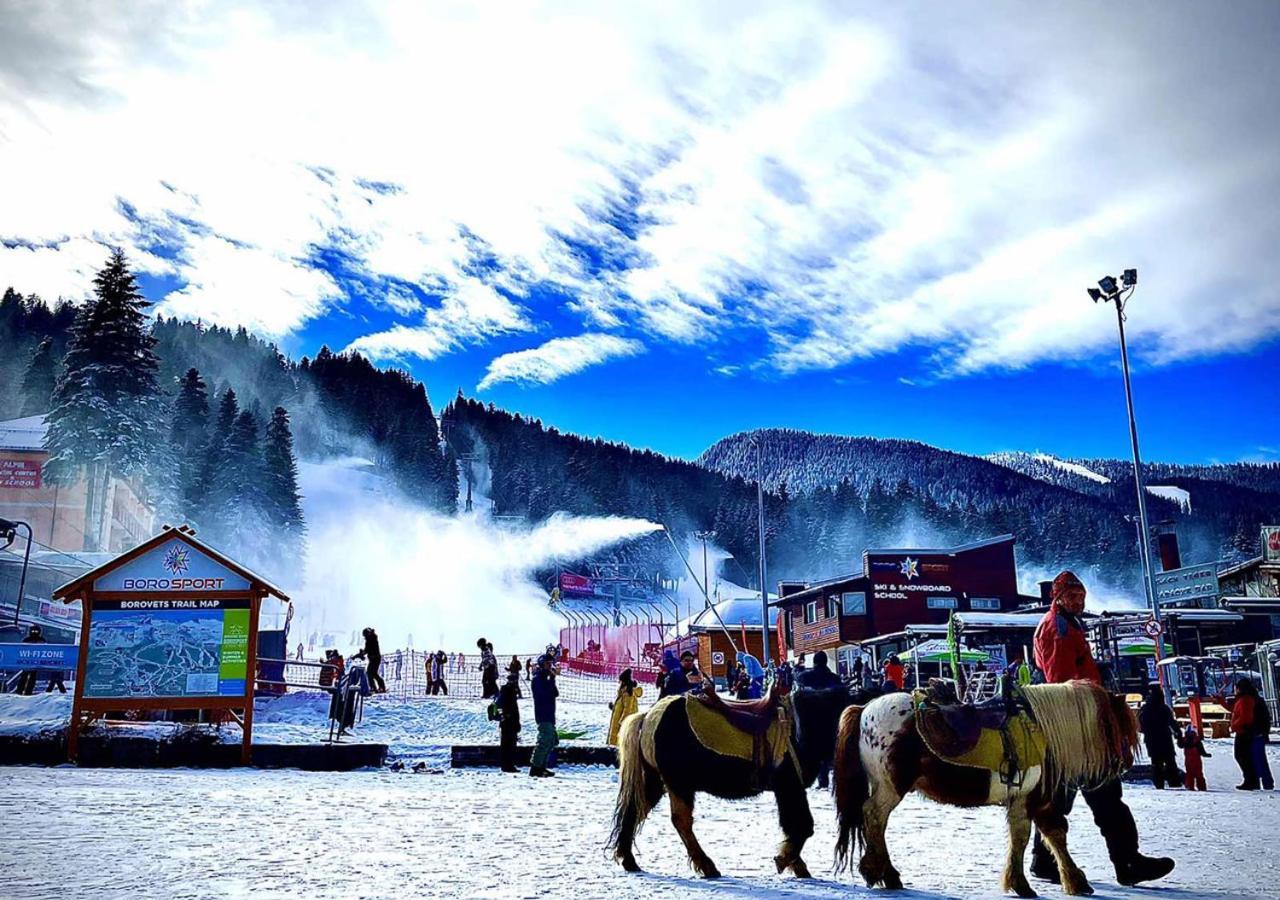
[{"x": 171, "y": 624}]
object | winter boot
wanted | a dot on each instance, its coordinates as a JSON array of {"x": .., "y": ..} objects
[
  {"x": 1247, "y": 785},
  {"x": 541, "y": 772},
  {"x": 1143, "y": 868}
]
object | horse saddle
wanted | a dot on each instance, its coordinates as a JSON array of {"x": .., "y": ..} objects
[
  {"x": 751, "y": 716},
  {"x": 995, "y": 735},
  {"x": 754, "y": 730}
]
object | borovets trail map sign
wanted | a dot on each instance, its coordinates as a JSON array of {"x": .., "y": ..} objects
[
  {"x": 168, "y": 648},
  {"x": 171, "y": 624}
]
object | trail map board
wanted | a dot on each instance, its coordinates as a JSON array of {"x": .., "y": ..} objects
[
  {"x": 170, "y": 625},
  {"x": 168, "y": 648}
]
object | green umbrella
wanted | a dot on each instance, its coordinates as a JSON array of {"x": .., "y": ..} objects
[
  {"x": 938, "y": 652},
  {"x": 1141, "y": 647}
]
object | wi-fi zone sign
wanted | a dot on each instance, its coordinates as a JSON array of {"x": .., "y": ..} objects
[{"x": 1271, "y": 543}]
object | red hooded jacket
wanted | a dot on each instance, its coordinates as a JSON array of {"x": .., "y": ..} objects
[{"x": 1061, "y": 649}]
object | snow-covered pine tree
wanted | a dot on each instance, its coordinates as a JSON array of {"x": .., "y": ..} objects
[
  {"x": 104, "y": 418},
  {"x": 39, "y": 380},
  {"x": 214, "y": 485},
  {"x": 188, "y": 440},
  {"x": 280, "y": 487},
  {"x": 240, "y": 523}
]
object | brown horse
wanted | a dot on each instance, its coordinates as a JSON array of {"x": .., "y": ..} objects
[
  {"x": 1090, "y": 736},
  {"x": 685, "y": 744}
]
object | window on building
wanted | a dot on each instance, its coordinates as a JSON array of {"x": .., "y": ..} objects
[
  {"x": 854, "y": 603},
  {"x": 811, "y": 612},
  {"x": 942, "y": 603},
  {"x": 984, "y": 603},
  {"x": 833, "y": 607}
]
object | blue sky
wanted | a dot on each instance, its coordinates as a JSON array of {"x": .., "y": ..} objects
[{"x": 666, "y": 226}]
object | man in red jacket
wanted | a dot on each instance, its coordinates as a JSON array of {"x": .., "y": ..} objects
[{"x": 1062, "y": 654}]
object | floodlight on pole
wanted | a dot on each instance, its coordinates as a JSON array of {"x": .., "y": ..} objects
[
  {"x": 704, "y": 536},
  {"x": 1120, "y": 294}
]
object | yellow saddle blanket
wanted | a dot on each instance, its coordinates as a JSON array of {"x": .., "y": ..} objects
[
  {"x": 1017, "y": 748},
  {"x": 718, "y": 735}
]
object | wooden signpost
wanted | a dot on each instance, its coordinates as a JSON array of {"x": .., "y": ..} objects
[{"x": 171, "y": 624}]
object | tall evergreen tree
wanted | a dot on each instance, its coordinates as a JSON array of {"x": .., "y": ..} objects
[
  {"x": 103, "y": 420},
  {"x": 214, "y": 486},
  {"x": 39, "y": 380},
  {"x": 188, "y": 440},
  {"x": 240, "y": 518},
  {"x": 280, "y": 489}
]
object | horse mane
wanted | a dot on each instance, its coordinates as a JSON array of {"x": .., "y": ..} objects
[{"x": 1091, "y": 735}]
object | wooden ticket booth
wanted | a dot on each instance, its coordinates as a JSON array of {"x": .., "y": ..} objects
[{"x": 170, "y": 625}]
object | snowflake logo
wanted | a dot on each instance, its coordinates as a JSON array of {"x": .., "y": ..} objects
[
  {"x": 175, "y": 560},
  {"x": 910, "y": 568}
]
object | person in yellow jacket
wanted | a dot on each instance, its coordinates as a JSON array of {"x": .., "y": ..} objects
[{"x": 627, "y": 702}]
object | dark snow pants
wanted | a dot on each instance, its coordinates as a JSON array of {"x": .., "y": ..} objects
[
  {"x": 509, "y": 735},
  {"x": 1164, "y": 770},
  {"x": 1110, "y": 814},
  {"x": 1260, "y": 764},
  {"x": 375, "y": 680},
  {"x": 1244, "y": 759}
]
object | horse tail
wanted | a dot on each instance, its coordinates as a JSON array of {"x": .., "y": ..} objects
[
  {"x": 853, "y": 789},
  {"x": 633, "y": 801}
]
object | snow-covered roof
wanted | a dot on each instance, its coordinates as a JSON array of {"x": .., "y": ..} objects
[
  {"x": 736, "y": 613},
  {"x": 942, "y": 551},
  {"x": 23, "y": 434},
  {"x": 999, "y": 620}
]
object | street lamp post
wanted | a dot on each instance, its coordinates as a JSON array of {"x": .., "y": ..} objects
[
  {"x": 764, "y": 591},
  {"x": 1109, "y": 291},
  {"x": 9, "y": 530}
]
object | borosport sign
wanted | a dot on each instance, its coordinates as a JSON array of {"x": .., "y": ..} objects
[{"x": 172, "y": 567}]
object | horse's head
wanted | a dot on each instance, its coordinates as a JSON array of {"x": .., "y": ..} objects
[{"x": 817, "y": 719}]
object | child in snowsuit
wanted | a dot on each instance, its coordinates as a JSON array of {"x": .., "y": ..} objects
[{"x": 1193, "y": 752}]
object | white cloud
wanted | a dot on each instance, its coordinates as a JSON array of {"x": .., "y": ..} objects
[
  {"x": 557, "y": 358},
  {"x": 472, "y": 314},
  {"x": 846, "y": 182}
]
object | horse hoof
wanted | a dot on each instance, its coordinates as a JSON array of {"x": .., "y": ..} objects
[
  {"x": 800, "y": 870},
  {"x": 1083, "y": 889},
  {"x": 631, "y": 865},
  {"x": 711, "y": 872}
]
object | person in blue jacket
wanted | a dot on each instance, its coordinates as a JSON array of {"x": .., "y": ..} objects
[{"x": 545, "y": 693}]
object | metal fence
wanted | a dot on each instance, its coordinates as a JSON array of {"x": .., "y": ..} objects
[{"x": 405, "y": 674}]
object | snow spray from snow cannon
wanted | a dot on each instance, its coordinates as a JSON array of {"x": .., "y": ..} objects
[{"x": 377, "y": 559}]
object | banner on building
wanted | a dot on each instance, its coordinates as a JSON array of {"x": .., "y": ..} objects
[
  {"x": 1271, "y": 543},
  {"x": 572, "y": 585},
  {"x": 1190, "y": 584},
  {"x": 22, "y": 474},
  {"x": 38, "y": 656}
]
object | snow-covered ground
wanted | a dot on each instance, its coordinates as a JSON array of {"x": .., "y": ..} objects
[
  {"x": 218, "y": 833},
  {"x": 415, "y": 730},
  {"x": 224, "y": 833}
]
